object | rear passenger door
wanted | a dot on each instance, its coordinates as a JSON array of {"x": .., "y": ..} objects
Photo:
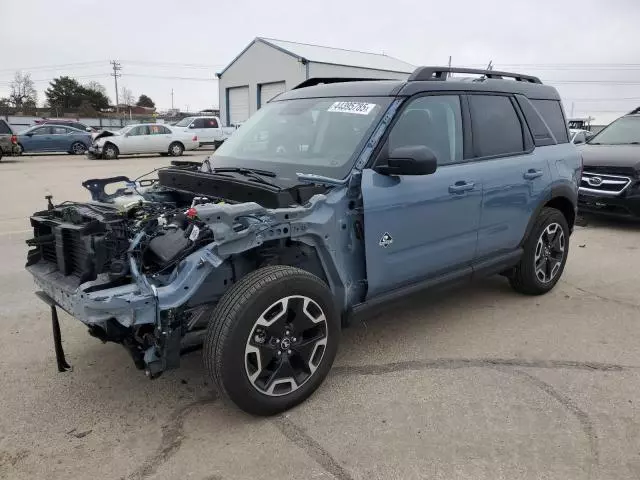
[{"x": 515, "y": 176}]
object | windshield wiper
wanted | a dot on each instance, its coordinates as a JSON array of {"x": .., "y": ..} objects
[
  {"x": 245, "y": 171},
  {"x": 250, "y": 173}
]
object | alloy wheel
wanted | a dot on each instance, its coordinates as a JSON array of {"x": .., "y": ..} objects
[
  {"x": 286, "y": 345},
  {"x": 549, "y": 254}
]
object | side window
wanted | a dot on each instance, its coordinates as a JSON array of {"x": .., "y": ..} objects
[
  {"x": 140, "y": 130},
  {"x": 496, "y": 126},
  {"x": 551, "y": 112},
  {"x": 198, "y": 123},
  {"x": 4, "y": 127},
  {"x": 210, "y": 123},
  {"x": 162, "y": 130},
  {"x": 59, "y": 130},
  {"x": 155, "y": 130},
  {"x": 433, "y": 121},
  {"x": 42, "y": 131}
]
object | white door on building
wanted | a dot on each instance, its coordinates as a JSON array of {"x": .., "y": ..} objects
[
  {"x": 270, "y": 90},
  {"x": 238, "y": 104}
]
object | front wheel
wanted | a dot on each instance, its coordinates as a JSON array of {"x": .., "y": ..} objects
[
  {"x": 176, "y": 149},
  {"x": 110, "y": 152},
  {"x": 545, "y": 254},
  {"x": 272, "y": 339}
]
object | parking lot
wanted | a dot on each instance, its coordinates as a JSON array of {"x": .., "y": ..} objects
[{"x": 478, "y": 383}]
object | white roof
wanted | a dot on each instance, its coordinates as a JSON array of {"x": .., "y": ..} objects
[{"x": 339, "y": 56}]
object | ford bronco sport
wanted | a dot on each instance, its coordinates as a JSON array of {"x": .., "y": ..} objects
[{"x": 330, "y": 200}]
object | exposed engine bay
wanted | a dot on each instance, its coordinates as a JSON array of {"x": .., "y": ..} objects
[{"x": 143, "y": 266}]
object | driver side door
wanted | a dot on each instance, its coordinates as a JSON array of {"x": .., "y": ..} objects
[{"x": 422, "y": 227}]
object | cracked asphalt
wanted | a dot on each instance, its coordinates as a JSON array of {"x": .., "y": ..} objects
[{"x": 477, "y": 383}]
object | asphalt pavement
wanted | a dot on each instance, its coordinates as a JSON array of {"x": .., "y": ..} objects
[{"x": 477, "y": 383}]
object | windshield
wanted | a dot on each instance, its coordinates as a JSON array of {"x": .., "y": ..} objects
[
  {"x": 624, "y": 131},
  {"x": 185, "y": 122},
  {"x": 311, "y": 135}
]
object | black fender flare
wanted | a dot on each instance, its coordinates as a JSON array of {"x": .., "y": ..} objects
[{"x": 563, "y": 190}]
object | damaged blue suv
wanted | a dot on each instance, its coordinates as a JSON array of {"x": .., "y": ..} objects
[{"x": 332, "y": 199}]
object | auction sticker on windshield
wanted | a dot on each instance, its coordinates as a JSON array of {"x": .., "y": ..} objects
[{"x": 359, "y": 108}]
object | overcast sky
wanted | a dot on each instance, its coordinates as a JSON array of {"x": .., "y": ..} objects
[{"x": 199, "y": 37}]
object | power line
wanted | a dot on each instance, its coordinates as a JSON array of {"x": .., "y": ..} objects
[
  {"x": 55, "y": 67},
  {"x": 172, "y": 64},
  {"x": 169, "y": 77}
]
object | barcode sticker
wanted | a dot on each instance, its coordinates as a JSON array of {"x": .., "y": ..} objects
[
  {"x": 359, "y": 108},
  {"x": 194, "y": 233}
]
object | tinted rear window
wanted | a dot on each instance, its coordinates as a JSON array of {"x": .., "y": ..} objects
[
  {"x": 496, "y": 126},
  {"x": 551, "y": 112},
  {"x": 4, "y": 128}
]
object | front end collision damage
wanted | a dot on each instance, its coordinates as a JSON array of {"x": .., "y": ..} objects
[{"x": 162, "y": 308}]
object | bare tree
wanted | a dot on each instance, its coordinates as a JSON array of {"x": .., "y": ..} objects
[
  {"x": 96, "y": 87},
  {"x": 126, "y": 96},
  {"x": 23, "y": 93}
]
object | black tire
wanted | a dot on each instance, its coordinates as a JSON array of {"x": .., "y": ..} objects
[
  {"x": 19, "y": 150},
  {"x": 525, "y": 278},
  {"x": 0, "y": 154},
  {"x": 110, "y": 151},
  {"x": 233, "y": 323},
  {"x": 78, "y": 148},
  {"x": 176, "y": 149}
]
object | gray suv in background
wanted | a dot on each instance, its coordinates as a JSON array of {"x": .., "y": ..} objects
[{"x": 8, "y": 140}]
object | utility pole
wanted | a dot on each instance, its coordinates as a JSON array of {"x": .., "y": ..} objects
[
  {"x": 172, "y": 99},
  {"x": 115, "y": 75},
  {"x": 573, "y": 104}
]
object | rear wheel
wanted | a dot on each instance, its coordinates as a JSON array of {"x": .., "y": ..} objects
[
  {"x": 19, "y": 150},
  {"x": 78, "y": 148},
  {"x": 545, "y": 254},
  {"x": 272, "y": 339},
  {"x": 176, "y": 149},
  {"x": 110, "y": 152}
]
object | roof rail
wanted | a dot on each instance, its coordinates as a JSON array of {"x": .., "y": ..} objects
[
  {"x": 635, "y": 111},
  {"x": 442, "y": 73},
  {"x": 320, "y": 80}
]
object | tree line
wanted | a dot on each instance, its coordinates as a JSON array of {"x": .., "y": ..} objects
[{"x": 66, "y": 93}]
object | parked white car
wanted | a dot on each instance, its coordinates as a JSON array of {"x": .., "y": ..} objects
[
  {"x": 144, "y": 138},
  {"x": 208, "y": 129},
  {"x": 579, "y": 136}
]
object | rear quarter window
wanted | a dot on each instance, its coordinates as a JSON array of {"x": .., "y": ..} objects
[
  {"x": 551, "y": 112},
  {"x": 5, "y": 128},
  {"x": 496, "y": 126}
]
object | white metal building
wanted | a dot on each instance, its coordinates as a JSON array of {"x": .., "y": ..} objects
[{"x": 267, "y": 67}]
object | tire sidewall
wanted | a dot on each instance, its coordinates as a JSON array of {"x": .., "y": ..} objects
[
  {"x": 172, "y": 146},
  {"x": 84, "y": 148},
  {"x": 530, "y": 247},
  {"x": 232, "y": 354},
  {"x": 110, "y": 157}
]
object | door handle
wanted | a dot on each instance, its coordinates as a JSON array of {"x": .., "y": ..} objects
[
  {"x": 532, "y": 173},
  {"x": 461, "y": 187}
]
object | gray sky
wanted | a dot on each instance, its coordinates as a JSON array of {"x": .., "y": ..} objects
[{"x": 544, "y": 37}]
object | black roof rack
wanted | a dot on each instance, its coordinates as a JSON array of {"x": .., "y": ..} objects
[
  {"x": 441, "y": 73},
  {"x": 635, "y": 111},
  {"x": 322, "y": 80}
]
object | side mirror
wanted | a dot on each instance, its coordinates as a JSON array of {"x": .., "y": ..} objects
[
  {"x": 578, "y": 140},
  {"x": 89, "y": 129},
  {"x": 413, "y": 160},
  {"x": 192, "y": 125}
]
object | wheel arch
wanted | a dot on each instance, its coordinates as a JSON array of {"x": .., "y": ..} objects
[{"x": 561, "y": 197}]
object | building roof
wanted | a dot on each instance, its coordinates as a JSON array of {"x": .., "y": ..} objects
[{"x": 333, "y": 56}]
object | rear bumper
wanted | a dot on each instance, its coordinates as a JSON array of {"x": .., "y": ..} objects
[{"x": 627, "y": 206}]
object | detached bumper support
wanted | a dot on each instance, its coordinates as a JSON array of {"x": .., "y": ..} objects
[{"x": 63, "y": 366}]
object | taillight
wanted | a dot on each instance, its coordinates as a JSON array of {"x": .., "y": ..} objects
[
  {"x": 14, "y": 139},
  {"x": 195, "y": 138}
]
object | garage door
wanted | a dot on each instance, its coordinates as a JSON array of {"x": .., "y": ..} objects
[
  {"x": 270, "y": 90},
  {"x": 238, "y": 104}
]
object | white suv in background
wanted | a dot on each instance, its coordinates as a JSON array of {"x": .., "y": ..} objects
[{"x": 208, "y": 129}]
